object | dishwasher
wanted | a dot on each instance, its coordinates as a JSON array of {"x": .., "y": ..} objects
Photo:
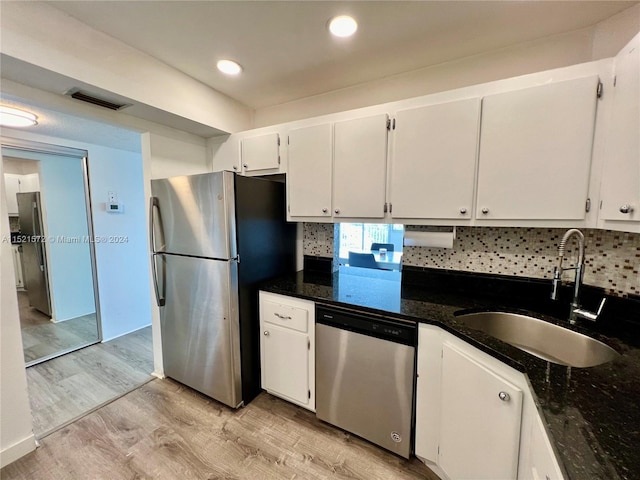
[{"x": 365, "y": 376}]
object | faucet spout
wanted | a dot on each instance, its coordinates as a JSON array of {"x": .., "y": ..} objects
[{"x": 575, "y": 311}]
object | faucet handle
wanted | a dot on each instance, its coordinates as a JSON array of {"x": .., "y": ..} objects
[
  {"x": 587, "y": 315},
  {"x": 555, "y": 283}
]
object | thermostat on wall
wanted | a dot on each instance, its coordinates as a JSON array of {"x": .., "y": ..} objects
[{"x": 115, "y": 207}]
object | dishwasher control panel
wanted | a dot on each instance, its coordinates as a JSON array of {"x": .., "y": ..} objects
[{"x": 385, "y": 328}]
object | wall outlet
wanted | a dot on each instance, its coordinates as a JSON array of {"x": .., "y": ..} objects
[
  {"x": 112, "y": 197},
  {"x": 322, "y": 238}
]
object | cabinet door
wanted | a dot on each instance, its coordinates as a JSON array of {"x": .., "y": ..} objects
[
  {"x": 12, "y": 186},
  {"x": 30, "y": 183},
  {"x": 535, "y": 151},
  {"x": 621, "y": 176},
  {"x": 479, "y": 431},
  {"x": 261, "y": 152},
  {"x": 309, "y": 171},
  {"x": 544, "y": 465},
  {"x": 285, "y": 362},
  {"x": 359, "y": 166},
  {"x": 434, "y": 160}
]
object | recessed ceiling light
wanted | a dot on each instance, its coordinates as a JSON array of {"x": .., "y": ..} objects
[
  {"x": 343, "y": 26},
  {"x": 229, "y": 67},
  {"x": 12, "y": 117}
]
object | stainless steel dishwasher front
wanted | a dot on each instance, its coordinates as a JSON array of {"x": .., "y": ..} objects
[{"x": 365, "y": 371}]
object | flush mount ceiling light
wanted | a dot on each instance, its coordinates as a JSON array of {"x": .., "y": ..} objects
[
  {"x": 12, "y": 117},
  {"x": 229, "y": 67},
  {"x": 343, "y": 26}
]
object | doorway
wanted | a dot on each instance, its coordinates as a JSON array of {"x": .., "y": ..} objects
[{"x": 53, "y": 250}]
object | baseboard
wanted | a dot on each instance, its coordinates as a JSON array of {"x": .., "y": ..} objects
[
  {"x": 17, "y": 450},
  {"x": 158, "y": 375},
  {"x": 125, "y": 333}
]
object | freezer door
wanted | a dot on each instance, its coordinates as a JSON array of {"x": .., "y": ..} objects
[
  {"x": 200, "y": 325},
  {"x": 34, "y": 256},
  {"x": 194, "y": 215}
]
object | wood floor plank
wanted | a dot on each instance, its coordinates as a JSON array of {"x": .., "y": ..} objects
[
  {"x": 66, "y": 387},
  {"x": 164, "y": 430}
]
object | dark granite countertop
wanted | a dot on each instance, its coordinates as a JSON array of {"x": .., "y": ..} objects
[{"x": 592, "y": 414}]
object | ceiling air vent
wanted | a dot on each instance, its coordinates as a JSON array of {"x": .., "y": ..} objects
[{"x": 90, "y": 98}]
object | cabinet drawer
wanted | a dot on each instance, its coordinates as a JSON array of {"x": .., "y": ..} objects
[{"x": 290, "y": 317}]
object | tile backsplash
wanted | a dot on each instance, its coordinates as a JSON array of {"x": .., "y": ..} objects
[{"x": 612, "y": 259}]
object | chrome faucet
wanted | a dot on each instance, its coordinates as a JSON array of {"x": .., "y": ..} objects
[{"x": 576, "y": 311}]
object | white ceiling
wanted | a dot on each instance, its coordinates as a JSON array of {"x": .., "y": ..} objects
[
  {"x": 287, "y": 52},
  {"x": 54, "y": 123}
]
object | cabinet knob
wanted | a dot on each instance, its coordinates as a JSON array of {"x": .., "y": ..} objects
[
  {"x": 235, "y": 167},
  {"x": 626, "y": 209},
  {"x": 336, "y": 211},
  {"x": 504, "y": 396},
  {"x": 485, "y": 210},
  {"x": 266, "y": 333},
  {"x": 245, "y": 165},
  {"x": 463, "y": 210},
  {"x": 324, "y": 210}
]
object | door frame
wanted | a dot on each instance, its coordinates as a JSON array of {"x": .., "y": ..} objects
[{"x": 83, "y": 155}]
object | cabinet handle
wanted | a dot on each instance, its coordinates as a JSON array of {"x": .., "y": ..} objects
[
  {"x": 266, "y": 333},
  {"x": 485, "y": 210},
  {"x": 626, "y": 209},
  {"x": 336, "y": 211},
  {"x": 463, "y": 210},
  {"x": 504, "y": 396},
  {"x": 283, "y": 317},
  {"x": 324, "y": 210}
]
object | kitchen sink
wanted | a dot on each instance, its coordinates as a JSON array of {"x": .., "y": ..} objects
[{"x": 543, "y": 339}]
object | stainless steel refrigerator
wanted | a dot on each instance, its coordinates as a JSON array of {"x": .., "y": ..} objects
[
  {"x": 214, "y": 238},
  {"x": 34, "y": 255}
]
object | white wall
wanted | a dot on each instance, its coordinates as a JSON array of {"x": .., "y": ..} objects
[
  {"x": 16, "y": 435},
  {"x": 172, "y": 156},
  {"x": 600, "y": 41}
]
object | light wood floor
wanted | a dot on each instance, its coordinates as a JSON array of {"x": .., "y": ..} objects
[
  {"x": 164, "y": 430},
  {"x": 62, "y": 389},
  {"x": 42, "y": 338}
]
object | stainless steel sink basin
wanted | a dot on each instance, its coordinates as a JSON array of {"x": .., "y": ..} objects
[{"x": 542, "y": 339}]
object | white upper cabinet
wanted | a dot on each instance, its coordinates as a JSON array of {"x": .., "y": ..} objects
[
  {"x": 480, "y": 420},
  {"x": 360, "y": 167},
  {"x": 261, "y": 152},
  {"x": 309, "y": 171},
  {"x": 12, "y": 186},
  {"x": 434, "y": 161},
  {"x": 620, "y": 193},
  {"x": 30, "y": 183},
  {"x": 535, "y": 151}
]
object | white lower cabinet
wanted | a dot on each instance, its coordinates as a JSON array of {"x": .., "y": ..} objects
[
  {"x": 542, "y": 461},
  {"x": 475, "y": 416},
  {"x": 287, "y": 348},
  {"x": 479, "y": 421}
]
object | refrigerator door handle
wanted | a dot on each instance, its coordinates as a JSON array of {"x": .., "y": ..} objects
[
  {"x": 160, "y": 301},
  {"x": 35, "y": 221},
  {"x": 153, "y": 203}
]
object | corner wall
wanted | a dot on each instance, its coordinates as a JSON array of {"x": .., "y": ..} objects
[{"x": 17, "y": 437}]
